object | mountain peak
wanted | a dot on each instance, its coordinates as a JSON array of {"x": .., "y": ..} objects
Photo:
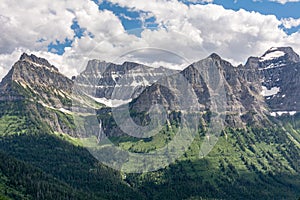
[
  {"x": 283, "y": 49},
  {"x": 283, "y": 53},
  {"x": 96, "y": 61},
  {"x": 215, "y": 56},
  {"x": 46, "y": 84},
  {"x": 96, "y": 66},
  {"x": 37, "y": 61},
  {"x": 212, "y": 60}
]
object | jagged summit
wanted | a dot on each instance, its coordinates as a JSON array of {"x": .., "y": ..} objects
[
  {"x": 276, "y": 52},
  {"x": 34, "y": 76},
  {"x": 37, "y": 61},
  {"x": 130, "y": 63},
  {"x": 31, "y": 69},
  {"x": 100, "y": 78},
  {"x": 215, "y": 56},
  {"x": 95, "y": 66},
  {"x": 278, "y": 57},
  {"x": 273, "y": 58},
  {"x": 212, "y": 60},
  {"x": 277, "y": 71}
]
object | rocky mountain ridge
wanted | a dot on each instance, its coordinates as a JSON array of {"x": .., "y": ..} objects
[
  {"x": 211, "y": 84},
  {"x": 248, "y": 88},
  {"x": 43, "y": 93},
  {"x": 278, "y": 71},
  {"x": 41, "y": 80},
  {"x": 102, "y": 80}
]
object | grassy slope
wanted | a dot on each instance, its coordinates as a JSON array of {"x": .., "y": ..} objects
[
  {"x": 26, "y": 138},
  {"x": 251, "y": 163}
]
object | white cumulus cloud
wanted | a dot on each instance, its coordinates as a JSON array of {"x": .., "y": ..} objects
[
  {"x": 187, "y": 32},
  {"x": 234, "y": 35},
  {"x": 290, "y": 22},
  {"x": 285, "y": 1}
]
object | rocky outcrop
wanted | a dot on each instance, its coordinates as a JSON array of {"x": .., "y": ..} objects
[
  {"x": 209, "y": 85},
  {"x": 35, "y": 78},
  {"x": 104, "y": 80},
  {"x": 278, "y": 71},
  {"x": 47, "y": 93},
  {"x": 242, "y": 94}
]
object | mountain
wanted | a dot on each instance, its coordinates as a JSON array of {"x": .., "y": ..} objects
[
  {"x": 101, "y": 80},
  {"x": 251, "y": 150},
  {"x": 237, "y": 100},
  {"x": 39, "y": 79},
  {"x": 256, "y": 156},
  {"x": 239, "y": 97},
  {"x": 42, "y": 158},
  {"x": 43, "y": 94},
  {"x": 279, "y": 77}
]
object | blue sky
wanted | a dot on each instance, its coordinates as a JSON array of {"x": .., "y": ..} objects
[
  {"x": 130, "y": 19},
  {"x": 290, "y": 9}
]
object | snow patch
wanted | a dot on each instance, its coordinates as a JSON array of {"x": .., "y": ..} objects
[
  {"x": 265, "y": 92},
  {"x": 41, "y": 66},
  {"x": 51, "y": 107},
  {"x": 21, "y": 83},
  {"x": 111, "y": 102},
  {"x": 279, "y": 113},
  {"x": 272, "y": 65},
  {"x": 135, "y": 83},
  {"x": 114, "y": 76},
  {"x": 293, "y": 112},
  {"x": 273, "y": 48},
  {"x": 272, "y": 55},
  {"x": 65, "y": 111}
]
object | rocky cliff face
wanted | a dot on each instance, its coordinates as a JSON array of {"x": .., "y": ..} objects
[
  {"x": 108, "y": 81},
  {"x": 208, "y": 82},
  {"x": 243, "y": 94},
  {"x": 38, "y": 85},
  {"x": 246, "y": 94},
  {"x": 35, "y": 78},
  {"x": 278, "y": 71}
]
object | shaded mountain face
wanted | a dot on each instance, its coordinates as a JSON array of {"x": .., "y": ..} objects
[
  {"x": 213, "y": 82},
  {"x": 108, "y": 81},
  {"x": 278, "y": 70}
]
